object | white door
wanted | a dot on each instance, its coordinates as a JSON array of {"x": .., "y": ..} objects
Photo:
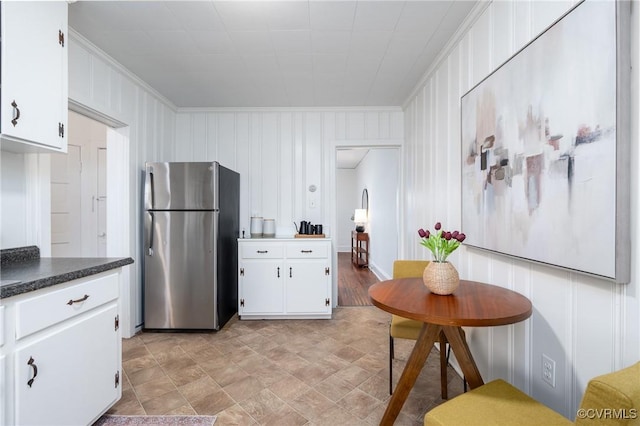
[
  {"x": 78, "y": 228},
  {"x": 65, "y": 203}
]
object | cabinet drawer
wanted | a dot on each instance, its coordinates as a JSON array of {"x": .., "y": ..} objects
[
  {"x": 261, "y": 251},
  {"x": 40, "y": 312},
  {"x": 307, "y": 251}
]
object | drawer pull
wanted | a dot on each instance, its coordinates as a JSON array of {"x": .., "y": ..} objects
[
  {"x": 262, "y": 251},
  {"x": 306, "y": 251},
  {"x": 32, "y": 364},
  {"x": 71, "y": 302}
]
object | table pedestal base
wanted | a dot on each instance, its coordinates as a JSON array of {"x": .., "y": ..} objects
[{"x": 428, "y": 336}]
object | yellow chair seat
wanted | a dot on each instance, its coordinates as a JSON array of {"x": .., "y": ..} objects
[
  {"x": 497, "y": 404},
  {"x": 616, "y": 396}
]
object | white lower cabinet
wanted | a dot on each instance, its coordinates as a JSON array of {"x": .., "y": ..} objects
[
  {"x": 284, "y": 279},
  {"x": 62, "y": 353},
  {"x": 68, "y": 376}
]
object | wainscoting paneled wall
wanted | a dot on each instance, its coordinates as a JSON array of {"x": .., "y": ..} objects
[
  {"x": 281, "y": 153},
  {"x": 587, "y": 325}
]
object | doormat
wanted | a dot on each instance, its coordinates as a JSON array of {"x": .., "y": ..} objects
[{"x": 116, "y": 420}]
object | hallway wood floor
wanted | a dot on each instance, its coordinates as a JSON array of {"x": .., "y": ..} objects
[{"x": 353, "y": 282}]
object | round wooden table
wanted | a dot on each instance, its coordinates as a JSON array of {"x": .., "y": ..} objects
[{"x": 473, "y": 304}]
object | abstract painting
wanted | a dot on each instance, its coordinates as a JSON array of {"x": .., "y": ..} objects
[{"x": 543, "y": 150}]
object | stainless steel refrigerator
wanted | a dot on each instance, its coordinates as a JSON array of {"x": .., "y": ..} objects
[{"x": 191, "y": 225}]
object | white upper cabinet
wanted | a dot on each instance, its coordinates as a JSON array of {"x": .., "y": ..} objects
[{"x": 34, "y": 87}]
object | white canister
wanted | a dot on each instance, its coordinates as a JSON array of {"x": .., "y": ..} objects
[
  {"x": 269, "y": 228},
  {"x": 256, "y": 227}
]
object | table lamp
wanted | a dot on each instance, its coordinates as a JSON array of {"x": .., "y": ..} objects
[{"x": 360, "y": 218}]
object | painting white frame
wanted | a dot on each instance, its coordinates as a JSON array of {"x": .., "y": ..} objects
[{"x": 545, "y": 147}]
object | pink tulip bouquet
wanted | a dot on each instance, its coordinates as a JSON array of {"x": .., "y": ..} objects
[{"x": 441, "y": 243}]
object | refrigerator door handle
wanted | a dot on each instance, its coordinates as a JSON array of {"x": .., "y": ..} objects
[
  {"x": 150, "y": 234},
  {"x": 152, "y": 188}
]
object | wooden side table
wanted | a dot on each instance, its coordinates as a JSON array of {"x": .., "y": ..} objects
[{"x": 360, "y": 249}]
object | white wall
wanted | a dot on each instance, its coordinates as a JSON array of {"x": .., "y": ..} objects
[
  {"x": 587, "y": 325},
  {"x": 378, "y": 172},
  {"x": 347, "y": 200},
  {"x": 13, "y": 201}
]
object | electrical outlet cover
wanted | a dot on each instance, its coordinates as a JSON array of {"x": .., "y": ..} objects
[{"x": 548, "y": 371}]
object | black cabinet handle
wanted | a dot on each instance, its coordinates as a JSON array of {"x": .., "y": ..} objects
[
  {"x": 17, "y": 114},
  {"x": 33, "y": 365},
  {"x": 306, "y": 251},
  {"x": 290, "y": 271},
  {"x": 278, "y": 272},
  {"x": 82, "y": 299},
  {"x": 262, "y": 251}
]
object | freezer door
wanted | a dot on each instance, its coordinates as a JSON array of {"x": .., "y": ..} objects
[
  {"x": 180, "y": 186},
  {"x": 179, "y": 270}
]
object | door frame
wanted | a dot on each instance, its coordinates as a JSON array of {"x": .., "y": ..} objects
[
  {"x": 119, "y": 213},
  {"x": 331, "y": 151}
]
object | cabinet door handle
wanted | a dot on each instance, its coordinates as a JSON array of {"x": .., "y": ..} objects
[
  {"x": 32, "y": 364},
  {"x": 306, "y": 251},
  {"x": 16, "y": 115},
  {"x": 290, "y": 271},
  {"x": 262, "y": 251},
  {"x": 82, "y": 299},
  {"x": 278, "y": 272}
]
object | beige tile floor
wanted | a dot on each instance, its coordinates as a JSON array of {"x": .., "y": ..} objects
[{"x": 277, "y": 372}]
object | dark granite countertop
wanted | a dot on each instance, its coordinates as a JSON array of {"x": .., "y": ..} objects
[{"x": 23, "y": 270}]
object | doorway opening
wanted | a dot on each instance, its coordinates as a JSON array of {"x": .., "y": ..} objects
[
  {"x": 113, "y": 236},
  {"x": 374, "y": 171}
]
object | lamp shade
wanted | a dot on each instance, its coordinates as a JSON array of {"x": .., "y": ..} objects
[{"x": 360, "y": 216}]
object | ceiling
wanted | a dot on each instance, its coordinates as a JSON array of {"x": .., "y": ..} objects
[
  {"x": 350, "y": 158},
  {"x": 297, "y": 53}
]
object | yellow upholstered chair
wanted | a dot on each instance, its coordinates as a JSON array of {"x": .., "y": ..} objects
[
  {"x": 405, "y": 328},
  {"x": 611, "y": 399}
]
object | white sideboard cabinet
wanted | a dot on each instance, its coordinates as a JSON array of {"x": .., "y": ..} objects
[
  {"x": 284, "y": 278},
  {"x": 62, "y": 352},
  {"x": 34, "y": 95}
]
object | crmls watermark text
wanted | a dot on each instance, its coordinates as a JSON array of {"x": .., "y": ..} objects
[{"x": 607, "y": 413}]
